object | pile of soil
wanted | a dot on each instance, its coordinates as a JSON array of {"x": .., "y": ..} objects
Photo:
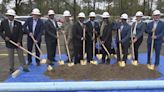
[{"x": 102, "y": 72}]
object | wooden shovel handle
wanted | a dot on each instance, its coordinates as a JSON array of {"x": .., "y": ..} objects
[
  {"x": 152, "y": 46},
  {"x": 120, "y": 45},
  {"x": 40, "y": 51},
  {"x": 23, "y": 49},
  {"x": 66, "y": 44},
  {"x": 59, "y": 50},
  {"x": 104, "y": 48}
]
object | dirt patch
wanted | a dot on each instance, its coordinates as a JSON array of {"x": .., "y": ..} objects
[{"x": 102, "y": 72}]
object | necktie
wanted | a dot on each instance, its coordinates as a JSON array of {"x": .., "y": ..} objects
[
  {"x": 10, "y": 25},
  {"x": 102, "y": 28},
  {"x": 34, "y": 25},
  {"x": 134, "y": 30}
]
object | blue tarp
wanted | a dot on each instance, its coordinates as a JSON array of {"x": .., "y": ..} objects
[{"x": 36, "y": 73}]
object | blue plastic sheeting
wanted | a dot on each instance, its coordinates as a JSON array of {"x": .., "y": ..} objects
[{"x": 36, "y": 73}]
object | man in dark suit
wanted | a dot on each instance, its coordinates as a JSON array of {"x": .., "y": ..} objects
[
  {"x": 91, "y": 27},
  {"x": 78, "y": 38},
  {"x": 51, "y": 36},
  {"x": 11, "y": 29},
  {"x": 34, "y": 27},
  {"x": 159, "y": 33},
  {"x": 106, "y": 35},
  {"x": 125, "y": 37}
]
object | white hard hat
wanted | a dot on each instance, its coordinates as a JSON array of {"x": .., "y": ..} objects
[
  {"x": 51, "y": 12},
  {"x": 92, "y": 14},
  {"x": 36, "y": 11},
  {"x": 156, "y": 12},
  {"x": 11, "y": 12},
  {"x": 124, "y": 16},
  {"x": 66, "y": 13},
  {"x": 105, "y": 15},
  {"x": 81, "y": 15},
  {"x": 139, "y": 14}
]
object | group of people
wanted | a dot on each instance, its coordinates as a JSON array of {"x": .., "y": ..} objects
[{"x": 79, "y": 32}]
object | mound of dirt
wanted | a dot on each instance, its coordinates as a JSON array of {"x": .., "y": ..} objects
[{"x": 102, "y": 72}]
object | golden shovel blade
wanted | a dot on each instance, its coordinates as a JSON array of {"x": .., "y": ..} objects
[
  {"x": 151, "y": 67},
  {"x": 43, "y": 61},
  {"x": 16, "y": 73},
  {"x": 83, "y": 62},
  {"x": 129, "y": 56},
  {"x": 122, "y": 63},
  {"x": 70, "y": 64},
  {"x": 135, "y": 62},
  {"x": 61, "y": 62},
  {"x": 99, "y": 56},
  {"x": 94, "y": 62},
  {"x": 49, "y": 68}
]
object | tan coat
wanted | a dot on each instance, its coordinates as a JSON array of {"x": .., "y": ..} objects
[{"x": 68, "y": 31}]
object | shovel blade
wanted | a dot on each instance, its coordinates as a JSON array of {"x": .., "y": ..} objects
[
  {"x": 83, "y": 62},
  {"x": 129, "y": 56},
  {"x": 151, "y": 67},
  {"x": 61, "y": 62},
  {"x": 99, "y": 56},
  {"x": 122, "y": 63},
  {"x": 43, "y": 61},
  {"x": 49, "y": 68},
  {"x": 70, "y": 64},
  {"x": 135, "y": 62},
  {"x": 16, "y": 73},
  {"x": 94, "y": 62}
]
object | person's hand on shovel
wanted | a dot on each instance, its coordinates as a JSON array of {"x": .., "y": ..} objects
[
  {"x": 82, "y": 38},
  {"x": 135, "y": 39},
  {"x": 18, "y": 44},
  {"x": 30, "y": 34},
  {"x": 7, "y": 38},
  {"x": 154, "y": 37}
]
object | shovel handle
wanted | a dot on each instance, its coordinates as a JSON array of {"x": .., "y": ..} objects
[
  {"x": 93, "y": 43},
  {"x": 66, "y": 44},
  {"x": 152, "y": 46},
  {"x": 23, "y": 49},
  {"x": 40, "y": 51},
  {"x": 84, "y": 42},
  {"x": 132, "y": 45},
  {"x": 104, "y": 48},
  {"x": 120, "y": 45},
  {"x": 59, "y": 50}
]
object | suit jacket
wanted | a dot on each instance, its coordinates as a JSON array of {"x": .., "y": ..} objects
[
  {"x": 141, "y": 27},
  {"x": 77, "y": 33},
  {"x": 15, "y": 35},
  {"x": 125, "y": 33},
  {"x": 50, "y": 31},
  {"x": 159, "y": 31},
  {"x": 28, "y": 27},
  {"x": 107, "y": 32},
  {"x": 89, "y": 31}
]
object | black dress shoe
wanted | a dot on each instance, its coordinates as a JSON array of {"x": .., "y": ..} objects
[
  {"x": 26, "y": 70},
  {"x": 11, "y": 71},
  {"x": 29, "y": 63},
  {"x": 51, "y": 64},
  {"x": 38, "y": 63}
]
